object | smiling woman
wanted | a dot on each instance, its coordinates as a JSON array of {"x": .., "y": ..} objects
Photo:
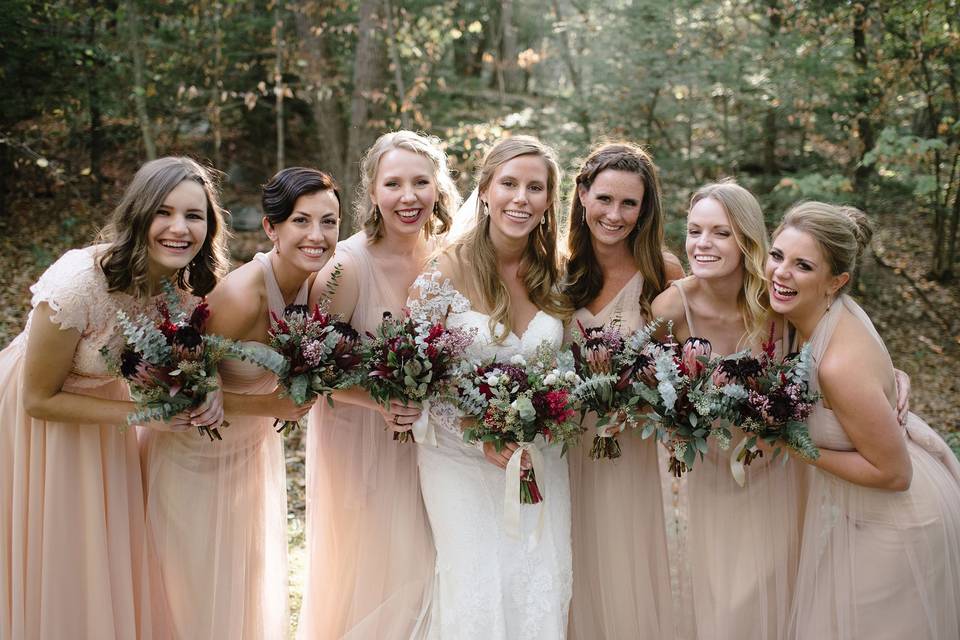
[
  {"x": 237, "y": 587},
  {"x": 72, "y": 522},
  {"x": 370, "y": 557}
]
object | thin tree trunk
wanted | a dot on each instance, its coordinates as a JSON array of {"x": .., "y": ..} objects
[
  {"x": 139, "y": 88},
  {"x": 216, "y": 84},
  {"x": 580, "y": 97},
  {"x": 367, "y": 76},
  {"x": 390, "y": 18},
  {"x": 862, "y": 98},
  {"x": 771, "y": 170},
  {"x": 93, "y": 97},
  {"x": 278, "y": 88},
  {"x": 320, "y": 89}
]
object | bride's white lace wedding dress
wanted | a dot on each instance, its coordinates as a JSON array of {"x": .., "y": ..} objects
[{"x": 490, "y": 585}]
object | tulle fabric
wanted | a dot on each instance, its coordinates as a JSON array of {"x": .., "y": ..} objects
[
  {"x": 370, "y": 554},
  {"x": 743, "y": 543},
  {"x": 71, "y": 522},
  {"x": 879, "y": 564},
  {"x": 217, "y": 518},
  {"x": 621, "y": 576}
]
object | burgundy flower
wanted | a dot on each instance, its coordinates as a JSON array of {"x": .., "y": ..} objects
[
  {"x": 198, "y": 319},
  {"x": 188, "y": 343}
]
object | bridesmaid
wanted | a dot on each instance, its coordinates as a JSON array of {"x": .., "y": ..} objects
[
  {"x": 881, "y": 533},
  {"x": 233, "y": 492},
  {"x": 743, "y": 542},
  {"x": 370, "y": 552},
  {"x": 617, "y": 265},
  {"x": 72, "y": 522}
]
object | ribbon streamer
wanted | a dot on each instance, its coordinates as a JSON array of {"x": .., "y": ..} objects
[
  {"x": 511, "y": 497},
  {"x": 736, "y": 465},
  {"x": 422, "y": 428}
]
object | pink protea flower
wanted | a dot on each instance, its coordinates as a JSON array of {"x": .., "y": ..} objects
[{"x": 692, "y": 350}]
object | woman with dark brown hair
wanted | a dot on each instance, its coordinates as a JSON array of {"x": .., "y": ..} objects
[{"x": 617, "y": 265}]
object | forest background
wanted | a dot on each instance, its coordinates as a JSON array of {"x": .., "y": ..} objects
[{"x": 854, "y": 102}]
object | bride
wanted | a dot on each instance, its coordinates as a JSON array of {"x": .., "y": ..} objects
[{"x": 500, "y": 279}]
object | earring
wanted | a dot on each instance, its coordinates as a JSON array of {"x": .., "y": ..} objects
[
  {"x": 543, "y": 220},
  {"x": 376, "y": 212},
  {"x": 484, "y": 209},
  {"x": 276, "y": 248}
]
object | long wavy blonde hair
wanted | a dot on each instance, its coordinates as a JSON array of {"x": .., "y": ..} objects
[
  {"x": 540, "y": 264},
  {"x": 584, "y": 276},
  {"x": 367, "y": 214},
  {"x": 750, "y": 233}
]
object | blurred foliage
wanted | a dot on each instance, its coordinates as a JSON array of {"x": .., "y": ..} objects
[{"x": 843, "y": 101}]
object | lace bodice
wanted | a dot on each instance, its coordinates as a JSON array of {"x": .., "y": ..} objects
[
  {"x": 439, "y": 300},
  {"x": 76, "y": 290}
]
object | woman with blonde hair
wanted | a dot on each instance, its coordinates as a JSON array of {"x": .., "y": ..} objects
[
  {"x": 617, "y": 265},
  {"x": 742, "y": 541},
  {"x": 494, "y": 582},
  {"x": 72, "y": 522},
  {"x": 881, "y": 531},
  {"x": 370, "y": 554}
]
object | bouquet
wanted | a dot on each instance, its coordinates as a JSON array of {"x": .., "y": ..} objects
[
  {"x": 411, "y": 360},
  {"x": 516, "y": 401},
  {"x": 320, "y": 351},
  {"x": 609, "y": 364},
  {"x": 171, "y": 365},
  {"x": 775, "y": 400},
  {"x": 687, "y": 407}
]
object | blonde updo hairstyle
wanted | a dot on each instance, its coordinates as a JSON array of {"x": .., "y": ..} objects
[
  {"x": 843, "y": 232},
  {"x": 368, "y": 215},
  {"x": 750, "y": 232},
  {"x": 540, "y": 264}
]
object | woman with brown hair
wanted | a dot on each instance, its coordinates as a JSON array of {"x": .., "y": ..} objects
[
  {"x": 617, "y": 264},
  {"x": 72, "y": 524}
]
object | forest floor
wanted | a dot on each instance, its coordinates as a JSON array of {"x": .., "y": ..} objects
[{"x": 919, "y": 319}]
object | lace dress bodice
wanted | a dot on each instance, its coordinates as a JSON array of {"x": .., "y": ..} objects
[{"x": 75, "y": 288}]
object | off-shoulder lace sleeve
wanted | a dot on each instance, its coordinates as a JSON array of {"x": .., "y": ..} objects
[
  {"x": 71, "y": 289},
  {"x": 433, "y": 299}
]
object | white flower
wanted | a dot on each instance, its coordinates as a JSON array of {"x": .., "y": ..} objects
[
  {"x": 518, "y": 360},
  {"x": 571, "y": 376},
  {"x": 550, "y": 380}
]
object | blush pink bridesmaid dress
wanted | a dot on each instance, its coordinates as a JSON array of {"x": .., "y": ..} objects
[
  {"x": 621, "y": 576},
  {"x": 72, "y": 520},
  {"x": 369, "y": 546},
  {"x": 217, "y": 517}
]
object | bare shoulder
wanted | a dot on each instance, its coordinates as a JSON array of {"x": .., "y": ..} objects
[
  {"x": 673, "y": 268},
  {"x": 853, "y": 354},
  {"x": 668, "y": 306},
  {"x": 337, "y": 281},
  {"x": 238, "y": 303}
]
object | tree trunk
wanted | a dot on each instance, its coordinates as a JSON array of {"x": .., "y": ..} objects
[
  {"x": 278, "y": 88},
  {"x": 862, "y": 98},
  {"x": 771, "y": 170},
  {"x": 580, "y": 97},
  {"x": 139, "y": 88},
  {"x": 369, "y": 63},
  {"x": 509, "y": 78},
  {"x": 321, "y": 91},
  {"x": 395, "y": 62},
  {"x": 93, "y": 98},
  {"x": 216, "y": 83}
]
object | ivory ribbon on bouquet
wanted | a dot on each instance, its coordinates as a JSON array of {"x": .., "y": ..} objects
[
  {"x": 511, "y": 496},
  {"x": 422, "y": 428},
  {"x": 737, "y": 468}
]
